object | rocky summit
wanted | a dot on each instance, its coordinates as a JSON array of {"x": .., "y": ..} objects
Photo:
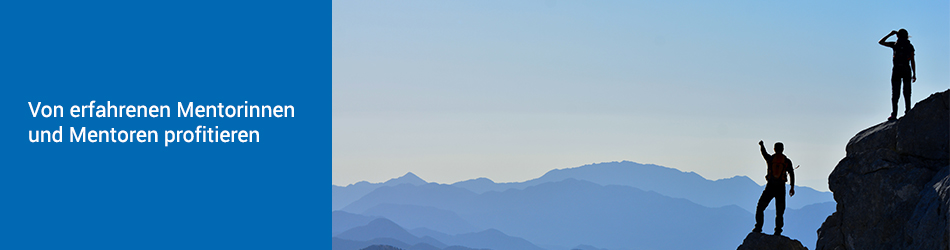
[
  {"x": 892, "y": 187},
  {"x": 757, "y": 241}
]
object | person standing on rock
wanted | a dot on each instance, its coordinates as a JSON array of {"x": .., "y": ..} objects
[
  {"x": 902, "y": 71},
  {"x": 778, "y": 165}
]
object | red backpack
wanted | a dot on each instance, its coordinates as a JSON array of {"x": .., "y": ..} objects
[{"x": 777, "y": 168}]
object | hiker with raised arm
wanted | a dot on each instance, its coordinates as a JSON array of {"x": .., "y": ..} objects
[
  {"x": 778, "y": 166},
  {"x": 904, "y": 71}
]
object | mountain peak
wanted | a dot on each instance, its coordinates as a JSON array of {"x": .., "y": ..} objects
[
  {"x": 378, "y": 228},
  {"x": 408, "y": 178}
]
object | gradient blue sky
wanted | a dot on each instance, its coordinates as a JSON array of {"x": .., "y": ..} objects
[{"x": 455, "y": 90}]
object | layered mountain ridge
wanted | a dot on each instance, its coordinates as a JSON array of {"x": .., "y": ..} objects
[
  {"x": 663, "y": 180},
  {"x": 568, "y": 212},
  {"x": 891, "y": 191}
]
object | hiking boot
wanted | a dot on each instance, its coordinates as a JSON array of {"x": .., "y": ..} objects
[
  {"x": 891, "y": 118},
  {"x": 757, "y": 230},
  {"x": 778, "y": 231}
]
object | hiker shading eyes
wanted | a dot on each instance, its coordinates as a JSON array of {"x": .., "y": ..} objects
[{"x": 904, "y": 71}]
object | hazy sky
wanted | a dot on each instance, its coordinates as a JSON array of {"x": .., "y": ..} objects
[{"x": 455, "y": 90}]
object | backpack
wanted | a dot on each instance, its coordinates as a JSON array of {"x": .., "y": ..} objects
[
  {"x": 777, "y": 168},
  {"x": 903, "y": 51}
]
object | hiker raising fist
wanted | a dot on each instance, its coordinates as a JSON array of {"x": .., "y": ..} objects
[{"x": 779, "y": 168}]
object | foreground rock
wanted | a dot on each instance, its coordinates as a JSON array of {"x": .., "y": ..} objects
[
  {"x": 892, "y": 188},
  {"x": 755, "y": 241}
]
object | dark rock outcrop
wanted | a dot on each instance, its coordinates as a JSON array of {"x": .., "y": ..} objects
[
  {"x": 892, "y": 187},
  {"x": 757, "y": 241}
]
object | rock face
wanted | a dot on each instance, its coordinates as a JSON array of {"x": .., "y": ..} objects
[
  {"x": 756, "y": 241},
  {"x": 892, "y": 188}
]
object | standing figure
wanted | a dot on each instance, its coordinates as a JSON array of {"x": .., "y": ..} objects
[
  {"x": 905, "y": 69},
  {"x": 778, "y": 165}
]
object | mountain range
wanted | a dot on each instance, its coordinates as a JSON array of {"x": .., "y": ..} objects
[
  {"x": 891, "y": 193},
  {"x": 666, "y": 181},
  {"x": 381, "y": 231},
  {"x": 616, "y": 205},
  {"x": 342, "y": 196}
]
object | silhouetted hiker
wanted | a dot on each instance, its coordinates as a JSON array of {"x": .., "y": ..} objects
[
  {"x": 903, "y": 53},
  {"x": 775, "y": 188}
]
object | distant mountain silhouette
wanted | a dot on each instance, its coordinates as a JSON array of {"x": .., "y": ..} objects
[
  {"x": 623, "y": 205},
  {"x": 481, "y": 185},
  {"x": 407, "y": 194},
  {"x": 493, "y": 239},
  {"x": 411, "y": 216},
  {"x": 571, "y": 211},
  {"x": 741, "y": 190},
  {"x": 344, "y": 244},
  {"x": 381, "y": 247},
  {"x": 341, "y": 221},
  {"x": 384, "y": 228},
  {"x": 490, "y": 239},
  {"x": 461, "y": 248},
  {"x": 382, "y": 231},
  {"x": 667, "y": 181},
  {"x": 342, "y": 196},
  {"x": 586, "y": 247},
  {"x": 425, "y": 232}
]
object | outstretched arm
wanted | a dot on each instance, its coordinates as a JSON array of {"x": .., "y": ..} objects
[
  {"x": 888, "y": 44},
  {"x": 765, "y": 154}
]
